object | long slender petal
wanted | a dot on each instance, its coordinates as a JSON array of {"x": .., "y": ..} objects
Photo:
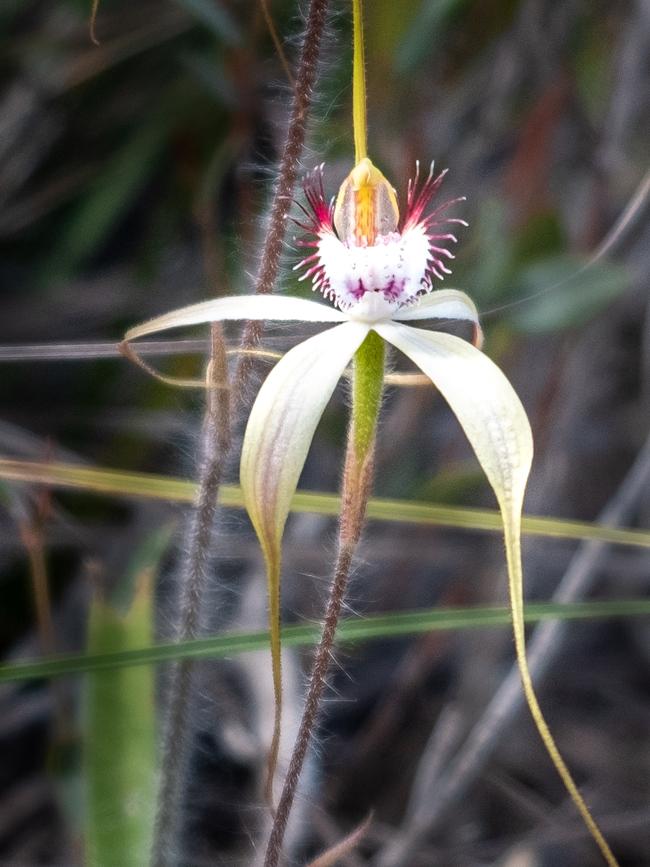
[
  {"x": 272, "y": 307},
  {"x": 496, "y": 425},
  {"x": 483, "y": 400},
  {"x": 278, "y": 435},
  {"x": 444, "y": 304}
]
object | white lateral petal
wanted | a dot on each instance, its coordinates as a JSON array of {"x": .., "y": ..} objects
[
  {"x": 272, "y": 307},
  {"x": 441, "y": 304},
  {"x": 497, "y": 427},
  {"x": 282, "y": 423},
  {"x": 482, "y": 399},
  {"x": 444, "y": 304}
]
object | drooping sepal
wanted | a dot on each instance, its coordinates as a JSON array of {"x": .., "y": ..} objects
[{"x": 278, "y": 435}]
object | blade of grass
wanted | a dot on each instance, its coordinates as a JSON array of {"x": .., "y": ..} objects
[
  {"x": 101, "y": 480},
  {"x": 108, "y": 197},
  {"x": 351, "y": 630},
  {"x": 120, "y": 743}
]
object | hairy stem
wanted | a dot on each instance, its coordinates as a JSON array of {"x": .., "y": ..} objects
[
  {"x": 287, "y": 175},
  {"x": 357, "y": 481},
  {"x": 215, "y": 447}
]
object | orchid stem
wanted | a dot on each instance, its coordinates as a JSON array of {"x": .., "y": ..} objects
[
  {"x": 359, "y": 83},
  {"x": 267, "y": 276},
  {"x": 357, "y": 480}
]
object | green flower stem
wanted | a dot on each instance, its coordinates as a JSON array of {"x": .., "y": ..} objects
[
  {"x": 359, "y": 121},
  {"x": 367, "y": 386},
  {"x": 357, "y": 480},
  {"x": 367, "y": 389}
]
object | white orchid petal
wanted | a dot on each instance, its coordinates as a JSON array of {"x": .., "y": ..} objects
[
  {"x": 280, "y": 429},
  {"x": 271, "y": 307},
  {"x": 482, "y": 399},
  {"x": 444, "y": 304},
  {"x": 496, "y": 425},
  {"x": 283, "y": 420}
]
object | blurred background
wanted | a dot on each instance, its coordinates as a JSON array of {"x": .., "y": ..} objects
[{"x": 134, "y": 178}]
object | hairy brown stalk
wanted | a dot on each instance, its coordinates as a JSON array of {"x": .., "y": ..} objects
[
  {"x": 215, "y": 447},
  {"x": 287, "y": 175},
  {"x": 357, "y": 481}
]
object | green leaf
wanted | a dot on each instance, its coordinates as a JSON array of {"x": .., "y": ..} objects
[
  {"x": 120, "y": 745},
  {"x": 354, "y": 629},
  {"x": 567, "y": 295},
  {"x": 116, "y": 186},
  {"x": 214, "y": 15},
  {"x": 426, "y": 32}
]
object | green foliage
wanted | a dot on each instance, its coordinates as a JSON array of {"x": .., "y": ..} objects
[
  {"x": 568, "y": 296},
  {"x": 426, "y": 31},
  {"x": 106, "y": 201},
  {"x": 120, "y": 737},
  {"x": 214, "y": 16},
  {"x": 353, "y": 629}
]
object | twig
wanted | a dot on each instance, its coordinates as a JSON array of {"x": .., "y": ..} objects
[
  {"x": 276, "y": 41},
  {"x": 445, "y": 791},
  {"x": 32, "y": 522},
  {"x": 340, "y": 852},
  {"x": 330, "y": 833}
]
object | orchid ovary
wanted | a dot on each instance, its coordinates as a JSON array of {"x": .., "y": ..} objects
[{"x": 379, "y": 271}]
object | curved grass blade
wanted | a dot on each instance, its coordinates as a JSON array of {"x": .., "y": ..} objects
[
  {"x": 120, "y": 483},
  {"x": 351, "y": 630}
]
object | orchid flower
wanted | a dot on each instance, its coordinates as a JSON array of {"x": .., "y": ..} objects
[{"x": 378, "y": 272}]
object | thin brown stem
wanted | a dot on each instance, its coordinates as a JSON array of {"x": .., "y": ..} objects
[
  {"x": 215, "y": 448},
  {"x": 315, "y": 691},
  {"x": 32, "y": 534},
  {"x": 270, "y": 23},
  {"x": 176, "y": 743},
  {"x": 287, "y": 175},
  {"x": 357, "y": 482}
]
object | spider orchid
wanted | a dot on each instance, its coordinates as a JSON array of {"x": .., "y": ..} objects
[
  {"x": 379, "y": 273},
  {"x": 380, "y": 278}
]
